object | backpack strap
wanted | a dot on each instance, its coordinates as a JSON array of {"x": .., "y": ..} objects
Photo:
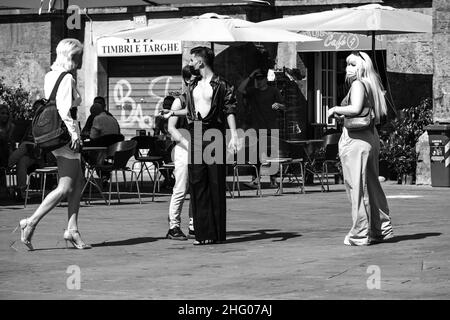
[{"x": 55, "y": 88}]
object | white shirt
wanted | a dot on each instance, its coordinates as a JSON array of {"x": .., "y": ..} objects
[{"x": 66, "y": 98}]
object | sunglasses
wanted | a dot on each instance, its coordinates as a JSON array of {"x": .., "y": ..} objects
[{"x": 358, "y": 53}]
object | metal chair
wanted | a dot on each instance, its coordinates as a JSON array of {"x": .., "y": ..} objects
[
  {"x": 11, "y": 180},
  {"x": 118, "y": 154},
  {"x": 236, "y": 167},
  {"x": 42, "y": 173},
  {"x": 331, "y": 156},
  {"x": 146, "y": 151},
  {"x": 290, "y": 164},
  {"x": 288, "y": 168}
]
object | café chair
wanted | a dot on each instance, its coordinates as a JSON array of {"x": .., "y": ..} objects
[
  {"x": 146, "y": 151},
  {"x": 169, "y": 167},
  {"x": 48, "y": 167},
  {"x": 330, "y": 162},
  {"x": 11, "y": 181},
  {"x": 42, "y": 174},
  {"x": 288, "y": 168},
  {"x": 236, "y": 167},
  {"x": 117, "y": 157}
]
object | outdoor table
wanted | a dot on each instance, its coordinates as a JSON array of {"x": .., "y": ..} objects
[{"x": 90, "y": 180}]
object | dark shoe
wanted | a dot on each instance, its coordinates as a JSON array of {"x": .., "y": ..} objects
[
  {"x": 191, "y": 234},
  {"x": 176, "y": 234},
  {"x": 381, "y": 239}
]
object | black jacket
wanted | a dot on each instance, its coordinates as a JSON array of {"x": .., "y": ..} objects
[{"x": 223, "y": 103}]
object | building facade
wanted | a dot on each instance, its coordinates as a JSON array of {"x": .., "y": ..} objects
[{"x": 135, "y": 75}]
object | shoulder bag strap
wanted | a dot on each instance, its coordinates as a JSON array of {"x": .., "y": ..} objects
[
  {"x": 362, "y": 113},
  {"x": 55, "y": 88}
]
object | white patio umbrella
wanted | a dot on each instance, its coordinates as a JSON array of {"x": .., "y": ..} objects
[
  {"x": 59, "y": 4},
  {"x": 371, "y": 19},
  {"x": 214, "y": 28}
]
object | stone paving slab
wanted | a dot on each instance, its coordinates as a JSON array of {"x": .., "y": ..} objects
[{"x": 278, "y": 247}]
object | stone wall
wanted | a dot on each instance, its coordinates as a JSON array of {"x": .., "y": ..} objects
[
  {"x": 441, "y": 45},
  {"x": 409, "y": 63},
  {"x": 25, "y": 54}
]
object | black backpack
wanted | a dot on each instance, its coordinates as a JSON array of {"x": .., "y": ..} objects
[{"x": 49, "y": 130}]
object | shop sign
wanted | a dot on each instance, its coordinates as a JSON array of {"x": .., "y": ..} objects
[
  {"x": 116, "y": 47},
  {"x": 334, "y": 41}
]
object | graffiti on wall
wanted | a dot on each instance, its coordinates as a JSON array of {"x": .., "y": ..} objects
[{"x": 132, "y": 113}]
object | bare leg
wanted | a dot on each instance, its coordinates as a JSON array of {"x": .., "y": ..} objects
[
  {"x": 65, "y": 186},
  {"x": 74, "y": 199},
  {"x": 67, "y": 169}
]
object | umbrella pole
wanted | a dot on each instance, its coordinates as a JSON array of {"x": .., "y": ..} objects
[{"x": 373, "y": 46}]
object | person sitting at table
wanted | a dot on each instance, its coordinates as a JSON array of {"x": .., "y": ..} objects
[
  {"x": 103, "y": 125},
  {"x": 6, "y": 145},
  {"x": 26, "y": 158},
  {"x": 265, "y": 104},
  {"x": 85, "y": 133}
]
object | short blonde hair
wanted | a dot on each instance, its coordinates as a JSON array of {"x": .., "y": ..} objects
[{"x": 65, "y": 52}]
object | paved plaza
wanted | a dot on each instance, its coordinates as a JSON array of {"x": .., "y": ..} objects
[{"x": 279, "y": 247}]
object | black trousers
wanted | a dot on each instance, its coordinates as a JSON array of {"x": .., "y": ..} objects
[{"x": 208, "y": 195}]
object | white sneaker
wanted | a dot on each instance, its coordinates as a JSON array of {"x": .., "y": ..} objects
[{"x": 349, "y": 242}]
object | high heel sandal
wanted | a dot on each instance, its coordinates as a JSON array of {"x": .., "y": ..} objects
[
  {"x": 69, "y": 236},
  {"x": 26, "y": 233}
]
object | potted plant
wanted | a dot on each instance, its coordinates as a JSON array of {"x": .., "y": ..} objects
[{"x": 398, "y": 148}]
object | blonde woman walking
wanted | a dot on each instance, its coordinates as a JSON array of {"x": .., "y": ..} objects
[
  {"x": 69, "y": 58},
  {"x": 359, "y": 149}
]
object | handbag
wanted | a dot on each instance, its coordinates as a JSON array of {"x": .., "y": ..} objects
[{"x": 358, "y": 122}]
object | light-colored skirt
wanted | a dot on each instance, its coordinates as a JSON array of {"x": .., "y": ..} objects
[{"x": 67, "y": 153}]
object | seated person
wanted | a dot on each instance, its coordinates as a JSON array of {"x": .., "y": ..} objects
[
  {"x": 103, "y": 123},
  {"x": 85, "y": 133},
  {"x": 6, "y": 133},
  {"x": 6, "y": 142},
  {"x": 27, "y": 157}
]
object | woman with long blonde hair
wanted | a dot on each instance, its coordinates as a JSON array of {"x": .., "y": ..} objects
[
  {"x": 69, "y": 58},
  {"x": 359, "y": 152}
]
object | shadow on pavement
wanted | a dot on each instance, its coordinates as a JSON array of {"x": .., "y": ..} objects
[
  {"x": 254, "y": 235},
  {"x": 416, "y": 236},
  {"x": 127, "y": 242}
]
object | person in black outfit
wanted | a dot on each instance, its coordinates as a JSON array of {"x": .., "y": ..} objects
[{"x": 210, "y": 104}]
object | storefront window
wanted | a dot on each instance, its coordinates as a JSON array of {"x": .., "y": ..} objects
[{"x": 325, "y": 75}]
